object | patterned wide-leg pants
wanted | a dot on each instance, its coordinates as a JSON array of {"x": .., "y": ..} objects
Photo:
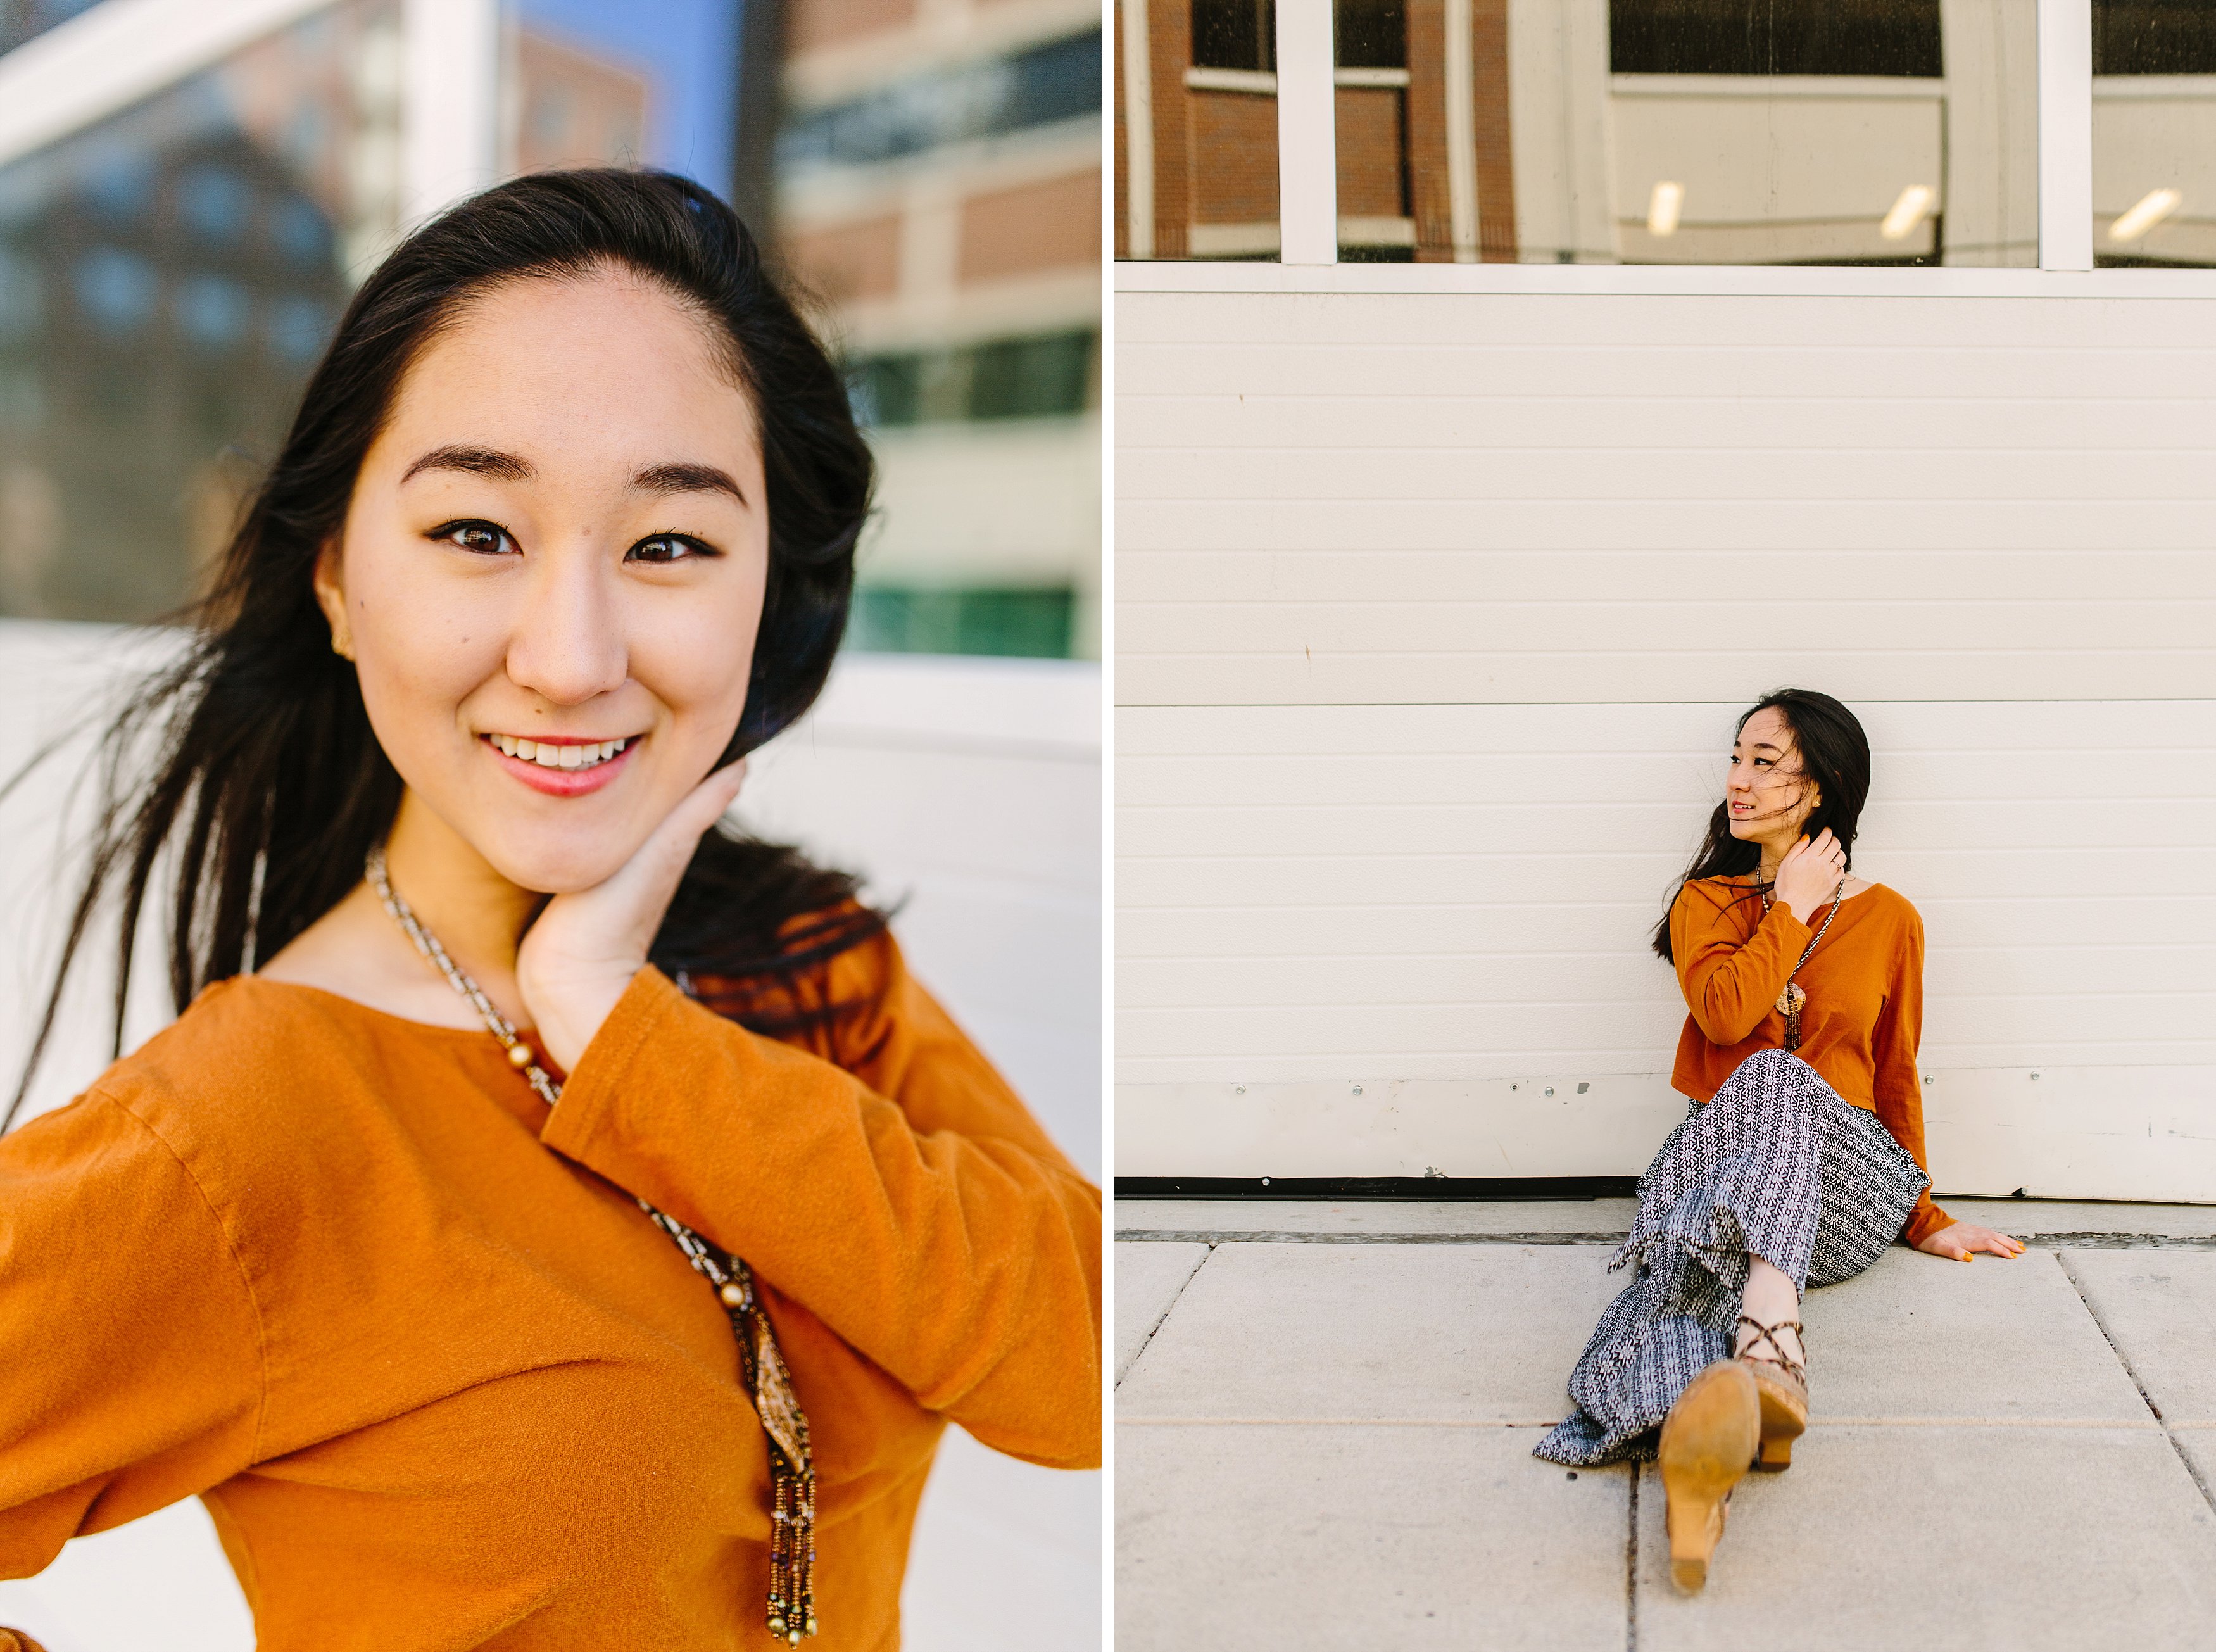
[{"x": 1777, "y": 1165}]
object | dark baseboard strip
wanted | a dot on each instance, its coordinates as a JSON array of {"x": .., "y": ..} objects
[
  {"x": 1423, "y": 1190},
  {"x": 1277, "y": 1236},
  {"x": 1283, "y": 1237}
]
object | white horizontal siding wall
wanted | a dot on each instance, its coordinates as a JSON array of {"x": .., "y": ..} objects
[{"x": 1434, "y": 613}]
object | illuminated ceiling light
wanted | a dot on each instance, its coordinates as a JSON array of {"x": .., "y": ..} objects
[
  {"x": 2153, "y": 206},
  {"x": 1907, "y": 212},
  {"x": 1662, "y": 209}
]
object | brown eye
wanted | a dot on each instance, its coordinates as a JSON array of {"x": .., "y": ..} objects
[
  {"x": 481, "y": 537},
  {"x": 668, "y": 547}
]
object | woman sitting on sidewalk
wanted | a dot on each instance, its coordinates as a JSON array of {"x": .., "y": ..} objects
[{"x": 1801, "y": 1154}]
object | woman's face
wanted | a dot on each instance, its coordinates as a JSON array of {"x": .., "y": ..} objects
[
  {"x": 552, "y": 572},
  {"x": 1768, "y": 796}
]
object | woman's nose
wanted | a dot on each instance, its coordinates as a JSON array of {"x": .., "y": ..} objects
[{"x": 568, "y": 642}]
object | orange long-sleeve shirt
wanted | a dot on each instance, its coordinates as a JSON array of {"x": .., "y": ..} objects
[
  {"x": 439, "y": 1380},
  {"x": 1863, "y": 1019}
]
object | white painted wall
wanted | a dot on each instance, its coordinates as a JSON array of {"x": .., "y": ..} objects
[
  {"x": 1434, "y": 611},
  {"x": 971, "y": 788}
]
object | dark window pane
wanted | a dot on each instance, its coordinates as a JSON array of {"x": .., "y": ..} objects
[
  {"x": 2154, "y": 37},
  {"x": 1372, "y": 33},
  {"x": 1044, "y": 376},
  {"x": 1035, "y": 623},
  {"x": 1234, "y": 35},
  {"x": 1058, "y": 81},
  {"x": 1032, "y": 377},
  {"x": 1762, "y": 37}
]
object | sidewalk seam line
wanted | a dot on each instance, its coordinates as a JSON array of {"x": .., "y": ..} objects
[
  {"x": 1162, "y": 1318},
  {"x": 2146, "y": 1399},
  {"x": 1631, "y": 1565}
]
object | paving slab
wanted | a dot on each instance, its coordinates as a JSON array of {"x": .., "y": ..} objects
[
  {"x": 1448, "y": 1333},
  {"x": 2158, "y": 1307},
  {"x": 2198, "y": 1445},
  {"x": 1957, "y": 1539},
  {"x": 1590, "y": 1221},
  {"x": 1283, "y": 1538},
  {"x": 1147, "y": 1281},
  {"x": 1917, "y": 1336}
]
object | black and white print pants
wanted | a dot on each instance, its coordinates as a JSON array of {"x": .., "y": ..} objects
[{"x": 1777, "y": 1165}]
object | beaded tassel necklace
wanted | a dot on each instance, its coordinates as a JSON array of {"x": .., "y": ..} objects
[
  {"x": 791, "y": 1609},
  {"x": 1794, "y": 995}
]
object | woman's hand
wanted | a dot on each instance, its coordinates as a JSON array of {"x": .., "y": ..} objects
[
  {"x": 577, "y": 960},
  {"x": 1959, "y": 1239},
  {"x": 1810, "y": 872}
]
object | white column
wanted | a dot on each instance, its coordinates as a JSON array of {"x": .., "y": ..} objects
[
  {"x": 1308, "y": 142},
  {"x": 2066, "y": 134},
  {"x": 1138, "y": 131},
  {"x": 1462, "y": 134},
  {"x": 450, "y": 109}
]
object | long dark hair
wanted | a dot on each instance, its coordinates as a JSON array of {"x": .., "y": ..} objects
[
  {"x": 267, "y": 786},
  {"x": 1834, "y": 754}
]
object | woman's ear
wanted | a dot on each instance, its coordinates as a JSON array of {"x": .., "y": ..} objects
[{"x": 330, "y": 596}]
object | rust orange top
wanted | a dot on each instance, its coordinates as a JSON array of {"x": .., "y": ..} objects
[
  {"x": 443, "y": 1385},
  {"x": 1860, "y": 1027}
]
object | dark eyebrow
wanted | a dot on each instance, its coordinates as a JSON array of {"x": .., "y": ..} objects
[
  {"x": 686, "y": 478},
  {"x": 477, "y": 461}
]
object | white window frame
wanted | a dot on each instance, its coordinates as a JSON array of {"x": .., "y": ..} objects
[
  {"x": 1307, "y": 184},
  {"x": 119, "y": 52}
]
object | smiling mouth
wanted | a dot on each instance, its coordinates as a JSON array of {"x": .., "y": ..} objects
[{"x": 558, "y": 753}]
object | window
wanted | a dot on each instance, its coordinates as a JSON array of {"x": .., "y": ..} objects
[
  {"x": 1044, "y": 376},
  {"x": 1059, "y": 81},
  {"x": 167, "y": 277},
  {"x": 2154, "y": 133},
  {"x": 1197, "y": 129},
  {"x": 1609, "y": 131}
]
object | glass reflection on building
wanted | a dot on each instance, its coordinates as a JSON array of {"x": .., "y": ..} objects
[
  {"x": 1702, "y": 131},
  {"x": 167, "y": 279},
  {"x": 2154, "y": 133}
]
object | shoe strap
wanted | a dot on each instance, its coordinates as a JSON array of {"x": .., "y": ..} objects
[{"x": 1777, "y": 1356}]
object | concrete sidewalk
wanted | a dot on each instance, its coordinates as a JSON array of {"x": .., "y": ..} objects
[{"x": 1326, "y": 1415}]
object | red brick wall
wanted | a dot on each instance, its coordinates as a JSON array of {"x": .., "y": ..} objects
[
  {"x": 849, "y": 262},
  {"x": 1169, "y": 46},
  {"x": 811, "y": 25},
  {"x": 1370, "y": 155},
  {"x": 1496, "y": 175},
  {"x": 1121, "y": 152},
  {"x": 1234, "y": 157},
  {"x": 1035, "y": 226},
  {"x": 1429, "y": 199}
]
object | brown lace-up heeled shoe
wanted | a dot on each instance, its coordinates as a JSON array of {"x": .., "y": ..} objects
[
  {"x": 1707, "y": 1440},
  {"x": 1783, "y": 1385}
]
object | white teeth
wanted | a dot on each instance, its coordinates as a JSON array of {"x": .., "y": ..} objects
[{"x": 547, "y": 754}]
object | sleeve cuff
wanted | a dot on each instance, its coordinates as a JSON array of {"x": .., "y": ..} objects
[
  {"x": 1926, "y": 1220},
  {"x": 581, "y": 1116}
]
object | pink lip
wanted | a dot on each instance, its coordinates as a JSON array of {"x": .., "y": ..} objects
[{"x": 562, "y": 782}]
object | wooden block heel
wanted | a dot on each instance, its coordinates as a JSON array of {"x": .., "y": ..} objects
[{"x": 1708, "y": 1440}]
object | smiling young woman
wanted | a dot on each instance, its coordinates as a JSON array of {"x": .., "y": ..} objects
[
  {"x": 1802, "y": 1155},
  {"x": 480, "y": 1007}
]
